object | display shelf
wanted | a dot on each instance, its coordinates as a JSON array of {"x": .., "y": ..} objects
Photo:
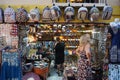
[
  {"x": 71, "y": 46},
  {"x": 80, "y": 4}
]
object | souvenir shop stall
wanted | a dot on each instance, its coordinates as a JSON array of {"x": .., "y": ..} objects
[
  {"x": 27, "y": 39},
  {"x": 42, "y": 36}
]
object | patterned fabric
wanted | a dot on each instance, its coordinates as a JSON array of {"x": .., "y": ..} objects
[
  {"x": 115, "y": 43},
  {"x": 34, "y": 15},
  {"x": 14, "y": 30},
  {"x": 84, "y": 70},
  {"x": 21, "y": 15},
  {"x": 105, "y": 72},
  {"x": 114, "y": 72},
  {"x": 107, "y": 12},
  {"x": 9, "y": 15},
  {"x": 31, "y": 76},
  {"x": 94, "y": 13},
  {"x": 69, "y": 13},
  {"x": 9, "y": 33},
  {"x": 82, "y": 13},
  {"x": 46, "y": 14},
  {"x": 11, "y": 68},
  {"x": 69, "y": 74},
  {"x": 1, "y": 15},
  {"x": 55, "y": 12}
]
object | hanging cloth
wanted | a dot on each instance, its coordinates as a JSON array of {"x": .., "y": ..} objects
[
  {"x": 55, "y": 12},
  {"x": 69, "y": 13},
  {"x": 107, "y": 12},
  {"x": 9, "y": 15},
  {"x": 82, "y": 13},
  {"x": 46, "y": 16},
  {"x": 21, "y": 15},
  {"x": 34, "y": 15},
  {"x": 11, "y": 68},
  {"x": 94, "y": 13},
  {"x": 1, "y": 15}
]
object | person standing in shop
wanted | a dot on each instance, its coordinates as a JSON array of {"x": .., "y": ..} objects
[
  {"x": 84, "y": 61},
  {"x": 59, "y": 55}
]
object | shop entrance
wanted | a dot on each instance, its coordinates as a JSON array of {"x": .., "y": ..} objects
[{"x": 44, "y": 35}]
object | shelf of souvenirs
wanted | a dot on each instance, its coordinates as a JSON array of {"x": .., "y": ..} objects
[
  {"x": 60, "y": 31},
  {"x": 70, "y": 39},
  {"x": 71, "y": 47},
  {"x": 58, "y": 22}
]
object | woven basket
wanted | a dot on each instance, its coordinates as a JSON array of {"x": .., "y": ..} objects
[{"x": 41, "y": 71}]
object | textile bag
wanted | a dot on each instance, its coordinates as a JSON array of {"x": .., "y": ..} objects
[
  {"x": 55, "y": 12},
  {"x": 9, "y": 15},
  {"x": 21, "y": 15},
  {"x": 107, "y": 12},
  {"x": 69, "y": 13},
  {"x": 82, "y": 13},
  {"x": 1, "y": 15},
  {"x": 46, "y": 16},
  {"x": 34, "y": 15},
  {"x": 94, "y": 13}
]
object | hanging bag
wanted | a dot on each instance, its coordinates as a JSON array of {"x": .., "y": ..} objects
[
  {"x": 55, "y": 12},
  {"x": 1, "y": 15},
  {"x": 46, "y": 16},
  {"x": 107, "y": 12},
  {"x": 34, "y": 15},
  {"x": 94, "y": 13},
  {"x": 21, "y": 15},
  {"x": 9, "y": 15},
  {"x": 69, "y": 13},
  {"x": 82, "y": 13}
]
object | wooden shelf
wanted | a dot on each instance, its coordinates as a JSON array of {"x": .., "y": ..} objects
[{"x": 80, "y": 4}]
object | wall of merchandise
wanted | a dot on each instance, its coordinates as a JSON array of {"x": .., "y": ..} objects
[{"x": 10, "y": 11}]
